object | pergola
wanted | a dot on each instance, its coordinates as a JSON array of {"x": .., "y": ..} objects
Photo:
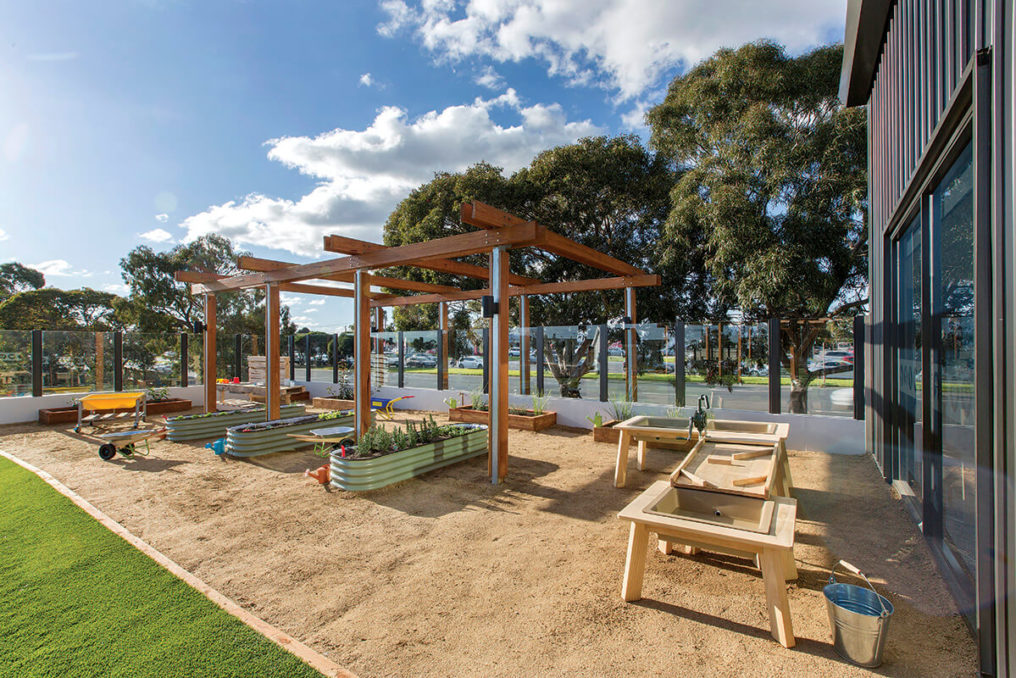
[{"x": 498, "y": 233}]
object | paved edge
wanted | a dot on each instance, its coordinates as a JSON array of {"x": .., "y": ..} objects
[{"x": 311, "y": 657}]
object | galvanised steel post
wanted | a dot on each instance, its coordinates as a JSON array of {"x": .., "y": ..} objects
[
  {"x": 36, "y": 363},
  {"x": 402, "y": 359},
  {"x": 680, "y": 388},
  {"x": 774, "y": 365},
  {"x": 292, "y": 357},
  {"x": 184, "y": 360},
  {"x": 539, "y": 360},
  {"x": 306, "y": 355},
  {"x": 604, "y": 365},
  {"x": 118, "y": 361}
]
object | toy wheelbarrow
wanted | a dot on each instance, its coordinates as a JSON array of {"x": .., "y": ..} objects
[
  {"x": 325, "y": 439},
  {"x": 125, "y": 442},
  {"x": 385, "y": 406}
]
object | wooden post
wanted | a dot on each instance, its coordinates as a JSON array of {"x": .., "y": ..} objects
[
  {"x": 631, "y": 345},
  {"x": 524, "y": 376},
  {"x": 273, "y": 380},
  {"x": 443, "y": 368},
  {"x": 361, "y": 350},
  {"x": 498, "y": 431},
  {"x": 209, "y": 379},
  {"x": 100, "y": 360}
]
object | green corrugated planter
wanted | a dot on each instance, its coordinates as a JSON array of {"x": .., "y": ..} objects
[
  {"x": 215, "y": 426},
  {"x": 371, "y": 474},
  {"x": 240, "y": 443}
]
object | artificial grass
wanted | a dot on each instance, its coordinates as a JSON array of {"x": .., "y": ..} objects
[{"x": 77, "y": 600}]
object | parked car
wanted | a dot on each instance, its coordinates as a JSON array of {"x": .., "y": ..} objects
[
  {"x": 392, "y": 359},
  {"x": 471, "y": 362},
  {"x": 615, "y": 350},
  {"x": 421, "y": 360},
  {"x": 514, "y": 352}
]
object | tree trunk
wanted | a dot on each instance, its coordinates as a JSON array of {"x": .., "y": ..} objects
[{"x": 798, "y": 338}]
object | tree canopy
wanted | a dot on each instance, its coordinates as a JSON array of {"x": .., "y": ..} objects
[
  {"x": 15, "y": 277},
  {"x": 773, "y": 193},
  {"x": 50, "y": 308}
]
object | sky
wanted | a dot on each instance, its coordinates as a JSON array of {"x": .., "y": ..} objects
[{"x": 153, "y": 122}]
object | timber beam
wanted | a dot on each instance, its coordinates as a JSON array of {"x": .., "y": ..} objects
[
  {"x": 405, "y": 255},
  {"x": 258, "y": 264},
  {"x": 569, "y": 287}
]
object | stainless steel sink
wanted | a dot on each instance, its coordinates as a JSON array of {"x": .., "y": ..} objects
[{"x": 727, "y": 510}]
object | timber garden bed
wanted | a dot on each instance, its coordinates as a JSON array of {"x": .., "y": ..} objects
[
  {"x": 69, "y": 415},
  {"x": 378, "y": 468},
  {"x": 525, "y": 420}
]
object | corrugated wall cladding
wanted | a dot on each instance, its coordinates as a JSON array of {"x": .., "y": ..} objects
[{"x": 936, "y": 36}]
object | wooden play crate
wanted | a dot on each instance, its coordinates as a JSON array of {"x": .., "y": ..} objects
[{"x": 258, "y": 373}]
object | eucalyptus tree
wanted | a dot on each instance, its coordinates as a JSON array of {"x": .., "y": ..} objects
[{"x": 772, "y": 195}]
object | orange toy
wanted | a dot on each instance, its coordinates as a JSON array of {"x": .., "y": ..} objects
[{"x": 322, "y": 474}]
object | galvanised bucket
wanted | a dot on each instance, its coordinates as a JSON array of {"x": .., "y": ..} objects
[{"x": 859, "y": 618}]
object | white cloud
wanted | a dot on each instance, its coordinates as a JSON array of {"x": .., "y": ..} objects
[
  {"x": 3, "y": 235},
  {"x": 159, "y": 235},
  {"x": 366, "y": 80},
  {"x": 162, "y": 218},
  {"x": 59, "y": 268},
  {"x": 623, "y": 45},
  {"x": 316, "y": 302},
  {"x": 116, "y": 288},
  {"x": 364, "y": 173},
  {"x": 290, "y": 299},
  {"x": 489, "y": 78}
]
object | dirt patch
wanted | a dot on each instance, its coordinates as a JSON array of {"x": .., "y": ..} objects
[{"x": 448, "y": 575}]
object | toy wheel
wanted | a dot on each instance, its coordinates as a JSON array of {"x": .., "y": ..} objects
[
  {"x": 348, "y": 442},
  {"x": 127, "y": 450},
  {"x": 107, "y": 451}
]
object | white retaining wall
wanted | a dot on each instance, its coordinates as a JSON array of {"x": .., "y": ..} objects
[
  {"x": 809, "y": 432},
  {"x": 26, "y": 408}
]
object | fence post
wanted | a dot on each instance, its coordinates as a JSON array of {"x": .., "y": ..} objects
[
  {"x": 335, "y": 358},
  {"x": 604, "y": 365},
  {"x": 486, "y": 359},
  {"x": 36, "y": 363},
  {"x": 440, "y": 359},
  {"x": 680, "y": 388},
  {"x": 402, "y": 359},
  {"x": 292, "y": 357},
  {"x": 306, "y": 356},
  {"x": 238, "y": 356},
  {"x": 118, "y": 361},
  {"x": 774, "y": 365},
  {"x": 539, "y": 360},
  {"x": 184, "y": 360},
  {"x": 858, "y": 367}
]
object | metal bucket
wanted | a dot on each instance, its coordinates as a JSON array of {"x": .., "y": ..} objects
[{"x": 859, "y": 618}]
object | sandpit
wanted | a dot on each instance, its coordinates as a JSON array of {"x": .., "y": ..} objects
[{"x": 446, "y": 575}]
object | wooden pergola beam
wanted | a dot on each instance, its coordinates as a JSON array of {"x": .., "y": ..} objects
[
  {"x": 405, "y": 255},
  {"x": 568, "y": 287},
  {"x": 485, "y": 216},
  {"x": 343, "y": 245},
  {"x": 259, "y": 264}
]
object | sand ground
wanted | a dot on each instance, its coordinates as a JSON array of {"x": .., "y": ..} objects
[{"x": 447, "y": 575}]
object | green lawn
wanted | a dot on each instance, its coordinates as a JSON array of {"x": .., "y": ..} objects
[{"x": 77, "y": 600}]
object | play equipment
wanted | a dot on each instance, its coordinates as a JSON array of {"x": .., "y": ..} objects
[
  {"x": 859, "y": 618},
  {"x": 104, "y": 406},
  {"x": 124, "y": 442},
  {"x": 325, "y": 439},
  {"x": 217, "y": 446},
  {"x": 383, "y": 406}
]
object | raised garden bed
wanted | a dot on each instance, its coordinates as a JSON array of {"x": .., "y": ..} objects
[
  {"x": 370, "y": 473},
  {"x": 214, "y": 424},
  {"x": 69, "y": 415},
  {"x": 266, "y": 437},
  {"x": 333, "y": 404},
  {"x": 525, "y": 422},
  {"x": 606, "y": 433}
]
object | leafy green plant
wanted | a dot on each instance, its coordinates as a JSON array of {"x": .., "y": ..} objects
[
  {"x": 478, "y": 400},
  {"x": 154, "y": 394},
  {"x": 343, "y": 390},
  {"x": 596, "y": 420},
  {"x": 378, "y": 440},
  {"x": 334, "y": 414},
  {"x": 540, "y": 404},
  {"x": 622, "y": 410}
]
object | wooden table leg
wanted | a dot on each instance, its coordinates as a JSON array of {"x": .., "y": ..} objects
[
  {"x": 665, "y": 547},
  {"x": 635, "y": 564},
  {"x": 641, "y": 455},
  {"x": 788, "y": 480},
  {"x": 780, "y": 624},
  {"x": 789, "y": 565},
  {"x": 621, "y": 465}
]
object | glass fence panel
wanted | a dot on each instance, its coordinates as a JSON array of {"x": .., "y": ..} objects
[
  {"x": 617, "y": 383},
  {"x": 250, "y": 345},
  {"x": 74, "y": 362},
  {"x": 195, "y": 358},
  {"x": 299, "y": 357},
  {"x": 654, "y": 373},
  {"x": 421, "y": 359},
  {"x": 384, "y": 359},
  {"x": 571, "y": 366},
  {"x": 465, "y": 360},
  {"x": 15, "y": 363},
  {"x": 225, "y": 355},
  {"x": 151, "y": 360},
  {"x": 320, "y": 357},
  {"x": 817, "y": 367}
]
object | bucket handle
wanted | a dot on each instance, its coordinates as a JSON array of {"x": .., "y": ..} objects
[{"x": 847, "y": 566}]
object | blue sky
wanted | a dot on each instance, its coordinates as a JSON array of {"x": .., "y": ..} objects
[{"x": 134, "y": 122}]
